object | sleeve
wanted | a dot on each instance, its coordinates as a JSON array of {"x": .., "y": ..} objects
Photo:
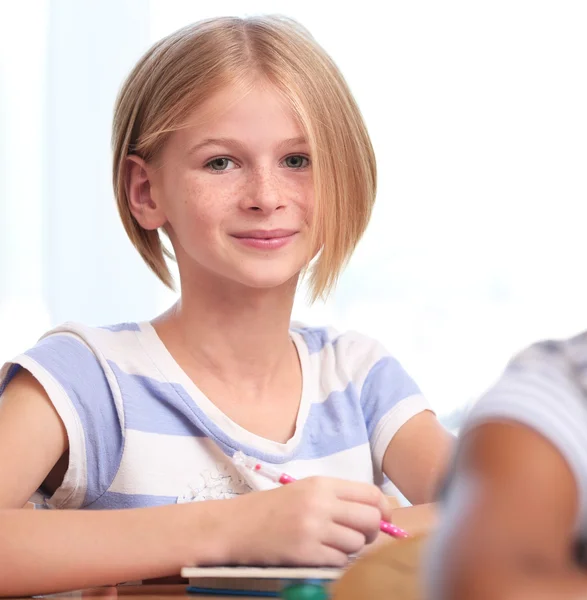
[
  {"x": 389, "y": 398},
  {"x": 539, "y": 389},
  {"x": 79, "y": 383}
]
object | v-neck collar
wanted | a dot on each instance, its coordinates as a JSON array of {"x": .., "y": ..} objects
[{"x": 172, "y": 371}]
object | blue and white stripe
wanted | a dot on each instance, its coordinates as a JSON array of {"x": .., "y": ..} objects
[
  {"x": 545, "y": 388},
  {"x": 141, "y": 433}
]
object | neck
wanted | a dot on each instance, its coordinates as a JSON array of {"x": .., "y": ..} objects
[{"x": 235, "y": 332}]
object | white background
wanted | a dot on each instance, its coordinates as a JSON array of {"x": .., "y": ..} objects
[{"x": 477, "y": 111}]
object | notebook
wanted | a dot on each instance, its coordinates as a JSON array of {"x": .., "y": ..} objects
[{"x": 263, "y": 580}]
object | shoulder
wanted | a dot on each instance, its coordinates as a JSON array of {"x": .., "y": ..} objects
[
  {"x": 71, "y": 334},
  {"x": 73, "y": 365},
  {"x": 351, "y": 357},
  {"x": 351, "y": 347},
  {"x": 547, "y": 377},
  {"x": 74, "y": 345},
  {"x": 80, "y": 366},
  {"x": 57, "y": 355}
]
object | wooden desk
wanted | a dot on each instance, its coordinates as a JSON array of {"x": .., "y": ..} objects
[{"x": 390, "y": 572}]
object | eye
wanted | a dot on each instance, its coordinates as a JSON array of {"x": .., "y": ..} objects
[
  {"x": 220, "y": 164},
  {"x": 296, "y": 161}
]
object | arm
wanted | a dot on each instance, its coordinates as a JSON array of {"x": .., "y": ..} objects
[
  {"x": 316, "y": 521},
  {"x": 98, "y": 547},
  {"x": 408, "y": 444},
  {"x": 509, "y": 535},
  {"x": 416, "y": 461},
  {"x": 50, "y": 551},
  {"x": 417, "y": 457},
  {"x": 32, "y": 439}
]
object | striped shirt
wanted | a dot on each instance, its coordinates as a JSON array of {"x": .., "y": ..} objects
[
  {"x": 545, "y": 388},
  {"x": 141, "y": 433}
]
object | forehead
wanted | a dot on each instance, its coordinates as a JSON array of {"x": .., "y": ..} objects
[{"x": 253, "y": 112}]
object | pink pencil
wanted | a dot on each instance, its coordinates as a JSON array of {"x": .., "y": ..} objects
[{"x": 240, "y": 458}]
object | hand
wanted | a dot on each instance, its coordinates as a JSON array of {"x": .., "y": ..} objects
[{"x": 316, "y": 521}]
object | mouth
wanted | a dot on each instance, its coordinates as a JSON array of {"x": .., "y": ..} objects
[
  {"x": 265, "y": 239},
  {"x": 265, "y": 234}
]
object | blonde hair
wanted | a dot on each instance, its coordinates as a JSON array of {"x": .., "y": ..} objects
[{"x": 179, "y": 72}]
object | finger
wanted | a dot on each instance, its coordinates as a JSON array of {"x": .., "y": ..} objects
[
  {"x": 360, "y": 517},
  {"x": 344, "y": 539},
  {"x": 330, "y": 557},
  {"x": 389, "y": 505},
  {"x": 364, "y": 493}
]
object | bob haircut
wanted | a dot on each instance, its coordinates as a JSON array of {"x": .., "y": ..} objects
[{"x": 182, "y": 70}]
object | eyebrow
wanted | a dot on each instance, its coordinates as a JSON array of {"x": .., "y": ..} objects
[
  {"x": 240, "y": 146},
  {"x": 297, "y": 141}
]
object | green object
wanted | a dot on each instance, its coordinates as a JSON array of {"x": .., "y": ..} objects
[{"x": 304, "y": 591}]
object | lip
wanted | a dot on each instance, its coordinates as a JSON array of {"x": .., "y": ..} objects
[
  {"x": 265, "y": 239},
  {"x": 264, "y": 234}
]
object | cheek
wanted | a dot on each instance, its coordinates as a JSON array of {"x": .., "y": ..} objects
[
  {"x": 309, "y": 203},
  {"x": 200, "y": 206},
  {"x": 302, "y": 195},
  {"x": 308, "y": 206}
]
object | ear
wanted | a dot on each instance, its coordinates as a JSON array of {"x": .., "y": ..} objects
[{"x": 139, "y": 190}]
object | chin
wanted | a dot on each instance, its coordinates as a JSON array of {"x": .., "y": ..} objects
[
  {"x": 267, "y": 283},
  {"x": 265, "y": 279}
]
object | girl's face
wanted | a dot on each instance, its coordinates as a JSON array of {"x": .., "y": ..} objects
[{"x": 235, "y": 190}]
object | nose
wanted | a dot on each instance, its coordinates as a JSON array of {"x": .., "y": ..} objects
[{"x": 264, "y": 194}]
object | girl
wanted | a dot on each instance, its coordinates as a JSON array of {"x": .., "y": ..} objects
[
  {"x": 239, "y": 141},
  {"x": 516, "y": 522}
]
